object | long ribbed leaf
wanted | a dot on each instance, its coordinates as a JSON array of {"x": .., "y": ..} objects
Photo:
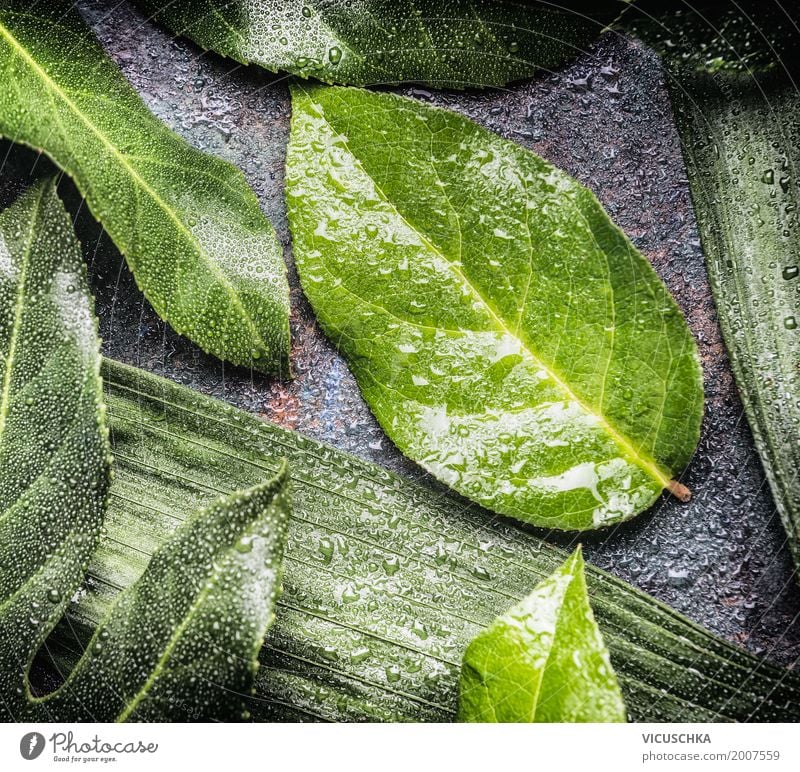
[
  {"x": 188, "y": 224},
  {"x": 741, "y": 141},
  {"x": 742, "y": 36},
  {"x": 456, "y": 43},
  {"x": 504, "y": 331},
  {"x": 543, "y": 660},
  {"x": 386, "y": 582},
  {"x": 54, "y": 465}
]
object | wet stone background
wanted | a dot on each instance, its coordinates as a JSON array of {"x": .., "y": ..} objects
[{"x": 606, "y": 119}]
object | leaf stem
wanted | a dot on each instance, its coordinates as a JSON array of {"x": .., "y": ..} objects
[{"x": 679, "y": 491}]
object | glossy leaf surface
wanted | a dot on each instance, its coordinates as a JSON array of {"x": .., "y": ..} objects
[
  {"x": 188, "y": 224},
  {"x": 386, "y": 581},
  {"x": 741, "y": 140},
  {"x": 506, "y": 334},
  {"x": 182, "y": 642},
  {"x": 714, "y": 36},
  {"x": 54, "y": 463},
  {"x": 456, "y": 43},
  {"x": 543, "y": 660}
]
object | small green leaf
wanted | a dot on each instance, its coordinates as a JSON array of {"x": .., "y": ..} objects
[
  {"x": 457, "y": 44},
  {"x": 544, "y": 660},
  {"x": 54, "y": 456},
  {"x": 506, "y": 334},
  {"x": 188, "y": 224},
  {"x": 182, "y": 643}
]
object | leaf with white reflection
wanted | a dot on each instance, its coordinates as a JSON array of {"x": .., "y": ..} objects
[{"x": 504, "y": 331}]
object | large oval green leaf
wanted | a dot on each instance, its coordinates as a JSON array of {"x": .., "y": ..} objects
[
  {"x": 506, "y": 334},
  {"x": 54, "y": 458},
  {"x": 454, "y": 44},
  {"x": 188, "y": 224},
  {"x": 543, "y": 660}
]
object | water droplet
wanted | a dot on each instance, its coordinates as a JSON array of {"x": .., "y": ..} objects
[
  {"x": 335, "y": 55},
  {"x": 790, "y": 323},
  {"x": 481, "y": 573},
  {"x": 326, "y": 550},
  {"x": 359, "y": 655},
  {"x": 678, "y": 577}
]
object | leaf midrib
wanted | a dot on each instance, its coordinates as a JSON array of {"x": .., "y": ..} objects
[
  {"x": 55, "y": 89},
  {"x": 19, "y": 303},
  {"x": 644, "y": 462},
  {"x": 537, "y": 696}
]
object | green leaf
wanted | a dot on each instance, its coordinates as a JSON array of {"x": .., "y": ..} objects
[
  {"x": 745, "y": 36},
  {"x": 741, "y": 142},
  {"x": 188, "y": 224},
  {"x": 732, "y": 70},
  {"x": 543, "y": 660},
  {"x": 386, "y": 582},
  {"x": 506, "y": 334},
  {"x": 53, "y": 442},
  {"x": 182, "y": 642},
  {"x": 457, "y": 44}
]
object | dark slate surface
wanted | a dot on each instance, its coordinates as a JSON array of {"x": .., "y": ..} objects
[{"x": 606, "y": 119}]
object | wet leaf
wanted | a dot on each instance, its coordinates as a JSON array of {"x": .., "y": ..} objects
[
  {"x": 506, "y": 334},
  {"x": 741, "y": 142},
  {"x": 732, "y": 78},
  {"x": 713, "y": 36},
  {"x": 182, "y": 642},
  {"x": 54, "y": 457},
  {"x": 453, "y": 44},
  {"x": 188, "y": 224},
  {"x": 386, "y": 581},
  {"x": 543, "y": 660}
]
